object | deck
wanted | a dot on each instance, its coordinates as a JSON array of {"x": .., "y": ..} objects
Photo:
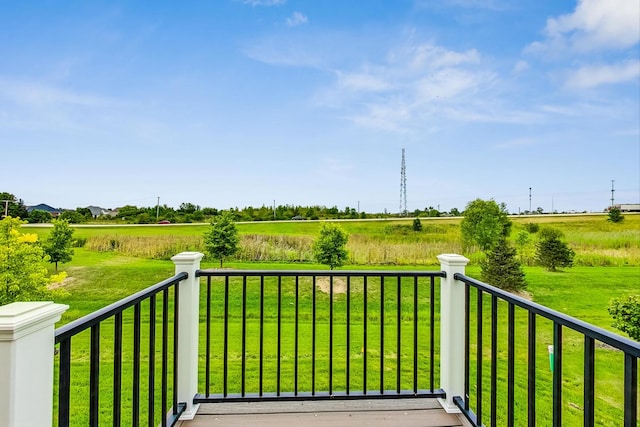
[{"x": 371, "y": 413}]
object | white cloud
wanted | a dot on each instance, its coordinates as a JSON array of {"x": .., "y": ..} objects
[
  {"x": 296, "y": 19},
  {"x": 41, "y": 95},
  {"x": 514, "y": 143},
  {"x": 596, "y": 75},
  {"x": 264, "y": 2},
  {"x": 520, "y": 66},
  {"x": 594, "y": 25}
]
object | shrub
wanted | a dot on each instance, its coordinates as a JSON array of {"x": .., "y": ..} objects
[
  {"x": 626, "y": 315},
  {"x": 502, "y": 269},
  {"x": 552, "y": 253},
  {"x": 531, "y": 227},
  {"x": 615, "y": 215},
  {"x": 329, "y": 247},
  {"x": 417, "y": 225}
]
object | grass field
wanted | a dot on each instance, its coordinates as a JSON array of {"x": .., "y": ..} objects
[{"x": 117, "y": 261}]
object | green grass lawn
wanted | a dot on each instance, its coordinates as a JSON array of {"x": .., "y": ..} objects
[{"x": 98, "y": 278}]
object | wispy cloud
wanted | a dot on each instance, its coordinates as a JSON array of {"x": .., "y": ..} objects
[
  {"x": 515, "y": 143},
  {"x": 596, "y": 75},
  {"x": 296, "y": 19},
  {"x": 37, "y": 94},
  {"x": 264, "y": 2}
]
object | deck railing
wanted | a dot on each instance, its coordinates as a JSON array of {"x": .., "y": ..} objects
[
  {"x": 319, "y": 334},
  {"x": 521, "y": 404},
  {"x": 124, "y": 344},
  {"x": 312, "y": 335}
]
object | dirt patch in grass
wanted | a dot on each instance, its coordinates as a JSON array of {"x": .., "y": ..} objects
[
  {"x": 339, "y": 285},
  {"x": 66, "y": 282}
]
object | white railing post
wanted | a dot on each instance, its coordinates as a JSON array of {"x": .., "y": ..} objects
[
  {"x": 451, "y": 330},
  {"x": 26, "y": 362},
  {"x": 188, "y": 318}
]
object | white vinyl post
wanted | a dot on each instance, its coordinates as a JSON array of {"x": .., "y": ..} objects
[
  {"x": 452, "y": 330},
  {"x": 26, "y": 362},
  {"x": 188, "y": 327}
]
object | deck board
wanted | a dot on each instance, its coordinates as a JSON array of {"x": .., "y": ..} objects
[{"x": 371, "y": 413}]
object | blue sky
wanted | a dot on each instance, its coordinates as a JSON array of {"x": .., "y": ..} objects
[{"x": 242, "y": 102}]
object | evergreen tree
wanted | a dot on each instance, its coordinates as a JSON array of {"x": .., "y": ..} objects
[
  {"x": 552, "y": 253},
  {"x": 417, "y": 225},
  {"x": 222, "y": 238},
  {"x": 502, "y": 269},
  {"x": 615, "y": 215}
]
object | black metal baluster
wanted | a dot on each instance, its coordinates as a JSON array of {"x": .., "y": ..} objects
[
  {"x": 589, "y": 381},
  {"x": 152, "y": 360},
  {"x": 64, "y": 383},
  {"x": 531, "y": 377},
  {"x": 415, "y": 335},
  {"x": 511, "y": 359},
  {"x": 94, "y": 377},
  {"x": 467, "y": 345},
  {"x": 630, "y": 390},
  {"x": 244, "y": 338},
  {"x": 313, "y": 336},
  {"x": 117, "y": 369},
  {"x": 432, "y": 333},
  {"x": 225, "y": 350},
  {"x": 348, "y": 358},
  {"x": 135, "y": 410},
  {"x": 165, "y": 356},
  {"x": 557, "y": 374},
  {"x": 494, "y": 359},
  {"x": 296, "y": 338},
  {"x": 365, "y": 319},
  {"x": 479, "y": 359},
  {"x": 176, "y": 325},
  {"x": 382, "y": 335},
  {"x": 398, "y": 335},
  {"x": 278, "y": 362},
  {"x": 207, "y": 358},
  {"x": 330, "y": 335},
  {"x": 261, "y": 379}
]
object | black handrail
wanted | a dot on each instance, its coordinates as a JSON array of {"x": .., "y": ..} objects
[
  {"x": 625, "y": 344},
  {"x": 320, "y": 314}
]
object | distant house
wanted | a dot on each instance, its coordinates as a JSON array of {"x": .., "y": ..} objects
[{"x": 43, "y": 207}]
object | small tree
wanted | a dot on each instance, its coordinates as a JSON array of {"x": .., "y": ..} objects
[
  {"x": 329, "y": 247},
  {"x": 484, "y": 223},
  {"x": 59, "y": 242},
  {"x": 626, "y": 315},
  {"x": 615, "y": 215},
  {"x": 23, "y": 270},
  {"x": 417, "y": 225},
  {"x": 552, "y": 253},
  {"x": 502, "y": 269},
  {"x": 221, "y": 240}
]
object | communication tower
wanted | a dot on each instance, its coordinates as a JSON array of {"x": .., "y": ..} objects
[{"x": 403, "y": 187}]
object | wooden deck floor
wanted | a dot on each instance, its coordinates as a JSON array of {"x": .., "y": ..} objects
[{"x": 370, "y": 413}]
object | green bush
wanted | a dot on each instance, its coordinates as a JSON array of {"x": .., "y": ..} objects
[{"x": 626, "y": 315}]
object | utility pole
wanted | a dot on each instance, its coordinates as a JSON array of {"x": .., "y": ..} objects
[
  {"x": 158, "y": 209},
  {"x": 529, "y": 200},
  {"x": 358, "y": 206},
  {"x": 612, "y": 191},
  {"x": 6, "y": 206}
]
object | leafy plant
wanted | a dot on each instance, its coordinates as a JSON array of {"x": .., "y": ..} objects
[
  {"x": 417, "y": 225},
  {"x": 484, "y": 223},
  {"x": 221, "y": 240},
  {"x": 59, "y": 243},
  {"x": 329, "y": 247},
  {"x": 23, "y": 270},
  {"x": 626, "y": 315}
]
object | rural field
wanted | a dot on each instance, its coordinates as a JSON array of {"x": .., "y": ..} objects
[{"x": 114, "y": 261}]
